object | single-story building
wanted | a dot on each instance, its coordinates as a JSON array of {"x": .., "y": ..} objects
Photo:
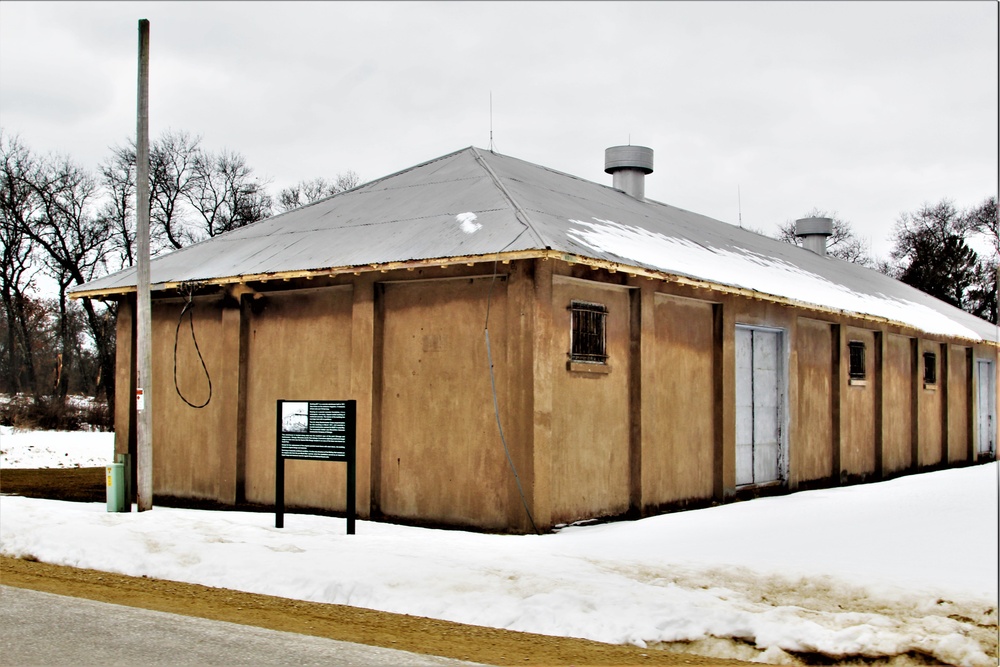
[{"x": 526, "y": 347}]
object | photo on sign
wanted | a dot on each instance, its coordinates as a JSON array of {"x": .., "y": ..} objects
[{"x": 295, "y": 417}]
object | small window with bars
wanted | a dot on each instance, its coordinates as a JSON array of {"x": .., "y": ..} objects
[
  {"x": 856, "y": 350},
  {"x": 930, "y": 368},
  {"x": 588, "y": 336}
]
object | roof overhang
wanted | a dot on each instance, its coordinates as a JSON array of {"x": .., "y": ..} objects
[{"x": 507, "y": 258}]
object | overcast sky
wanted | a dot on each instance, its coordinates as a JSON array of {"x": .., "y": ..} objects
[{"x": 868, "y": 109}]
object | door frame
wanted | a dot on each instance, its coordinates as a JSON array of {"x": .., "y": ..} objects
[
  {"x": 989, "y": 366},
  {"x": 783, "y": 418}
]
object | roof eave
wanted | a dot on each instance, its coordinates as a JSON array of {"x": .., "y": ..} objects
[{"x": 507, "y": 258}]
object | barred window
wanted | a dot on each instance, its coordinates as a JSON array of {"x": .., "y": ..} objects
[
  {"x": 856, "y": 348},
  {"x": 588, "y": 338},
  {"x": 930, "y": 368}
]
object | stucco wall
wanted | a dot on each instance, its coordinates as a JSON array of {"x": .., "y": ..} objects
[
  {"x": 812, "y": 445},
  {"x": 125, "y": 378},
  {"x": 657, "y": 429},
  {"x": 441, "y": 455},
  {"x": 677, "y": 463},
  {"x": 897, "y": 448},
  {"x": 959, "y": 435},
  {"x": 298, "y": 347},
  {"x": 857, "y": 453},
  {"x": 589, "y": 449},
  {"x": 189, "y": 444},
  {"x": 929, "y": 424}
]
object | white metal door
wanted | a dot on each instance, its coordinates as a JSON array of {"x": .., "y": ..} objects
[
  {"x": 986, "y": 402},
  {"x": 758, "y": 406}
]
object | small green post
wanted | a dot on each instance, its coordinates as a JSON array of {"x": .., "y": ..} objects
[{"x": 116, "y": 487}]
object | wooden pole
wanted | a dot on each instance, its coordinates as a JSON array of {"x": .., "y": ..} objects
[{"x": 144, "y": 366}]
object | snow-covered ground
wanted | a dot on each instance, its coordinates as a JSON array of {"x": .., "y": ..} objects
[
  {"x": 892, "y": 570},
  {"x": 55, "y": 449}
]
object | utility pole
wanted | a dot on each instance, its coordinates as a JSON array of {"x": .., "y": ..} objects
[{"x": 144, "y": 349}]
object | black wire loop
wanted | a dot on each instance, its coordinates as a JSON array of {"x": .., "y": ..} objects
[{"x": 188, "y": 310}]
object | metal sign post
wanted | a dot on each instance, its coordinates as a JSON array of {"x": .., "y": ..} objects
[{"x": 315, "y": 431}]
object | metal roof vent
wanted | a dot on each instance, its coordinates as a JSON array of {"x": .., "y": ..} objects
[
  {"x": 629, "y": 166},
  {"x": 813, "y": 232}
]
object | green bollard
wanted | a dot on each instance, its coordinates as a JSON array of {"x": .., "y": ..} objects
[{"x": 116, "y": 487}]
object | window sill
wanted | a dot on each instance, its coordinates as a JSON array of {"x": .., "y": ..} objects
[
  {"x": 855, "y": 382},
  {"x": 930, "y": 387},
  {"x": 582, "y": 367}
]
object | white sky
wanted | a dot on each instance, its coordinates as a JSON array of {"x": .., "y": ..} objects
[{"x": 868, "y": 109}]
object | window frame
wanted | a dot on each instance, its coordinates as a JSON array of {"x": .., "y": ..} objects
[
  {"x": 930, "y": 368},
  {"x": 592, "y": 346},
  {"x": 856, "y": 354}
]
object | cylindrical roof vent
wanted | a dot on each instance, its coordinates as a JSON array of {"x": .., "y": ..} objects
[
  {"x": 629, "y": 166},
  {"x": 814, "y": 232}
]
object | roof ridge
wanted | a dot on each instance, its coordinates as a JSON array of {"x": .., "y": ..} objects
[{"x": 519, "y": 213}]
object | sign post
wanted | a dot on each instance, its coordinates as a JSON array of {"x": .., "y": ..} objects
[{"x": 315, "y": 431}]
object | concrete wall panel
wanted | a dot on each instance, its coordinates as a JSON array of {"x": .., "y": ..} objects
[
  {"x": 441, "y": 455},
  {"x": 299, "y": 349},
  {"x": 930, "y": 408},
  {"x": 677, "y": 461},
  {"x": 188, "y": 443},
  {"x": 812, "y": 446},
  {"x": 898, "y": 388},
  {"x": 958, "y": 404},
  {"x": 590, "y": 411},
  {"x": 930, "y": 404},
  {"x": 858, "y": 428}
]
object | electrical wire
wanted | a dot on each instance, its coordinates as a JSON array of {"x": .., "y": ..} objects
[{"x": 188, "y": 310}]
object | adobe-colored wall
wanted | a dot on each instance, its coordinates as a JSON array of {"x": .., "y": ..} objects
[
  {"x": 298, "y": 347},
  {"x": 857, "y": 450},
  {"x": 897, "y": 448},
  {"x": 677, "y": 461},
  {"x": 125, "y": 378},
  {"x": 929, "y": 402},
  {"x": 589, "y": 448},
  {"x": 959, "y": 440},
  {"x": 441, "y": 455},
  {"x": 658, "y": 429},
  {"x": 812, "y": 445},
  {"x": 191, "y": 446}
]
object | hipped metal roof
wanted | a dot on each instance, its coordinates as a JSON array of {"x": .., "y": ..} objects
[{"x": 475, "y": 203}]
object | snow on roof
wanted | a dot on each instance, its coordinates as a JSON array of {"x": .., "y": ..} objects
[{"x": 476, "y": 203}]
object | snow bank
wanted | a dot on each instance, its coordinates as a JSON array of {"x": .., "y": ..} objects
[
  {"x": 902, "y": 567},
  {"x": 55, "y": 449}
]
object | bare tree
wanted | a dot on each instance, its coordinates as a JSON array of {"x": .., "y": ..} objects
[
  {"x": 18, "y": 204},
  {"x": 931, "y": 253},
  {"x": 225, "y": 194},
  {"x": 172, "y": 158},
  {"x": 118, "y": 211},
  {"x": 173, "y": 161},
  {"x": 309, "y": 191},
  {"x": 75, "y": 242},
  {"x": 982, "y": 219},
  {"x": 843, "y": 244}
]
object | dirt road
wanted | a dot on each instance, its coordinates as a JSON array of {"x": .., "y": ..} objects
[{"x": 410, "y": 633}]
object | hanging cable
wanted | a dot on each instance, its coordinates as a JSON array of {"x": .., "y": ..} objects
[
  {"x": 188, "y": 310},
  {"x": 493, "y": 386}
]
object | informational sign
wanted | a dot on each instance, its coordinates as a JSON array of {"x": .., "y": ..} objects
[{"x": 317, "y": 431}]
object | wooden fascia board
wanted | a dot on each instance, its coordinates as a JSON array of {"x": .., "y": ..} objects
[{"x": 506, "y": 258}]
